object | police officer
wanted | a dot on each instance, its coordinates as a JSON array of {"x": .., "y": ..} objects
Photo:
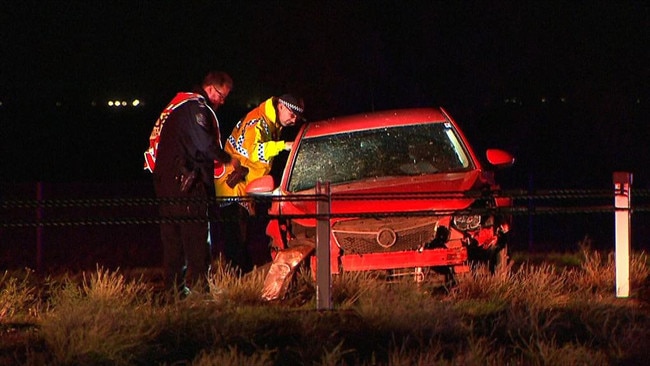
[
  {"x": 185, "y": 145},
  {"x": 254, "y": 142}
]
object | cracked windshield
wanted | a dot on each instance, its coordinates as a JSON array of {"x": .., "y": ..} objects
[{"x": 398, "y": 151}]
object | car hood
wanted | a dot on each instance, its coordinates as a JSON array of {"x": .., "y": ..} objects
[{"x": 439, "y": 192}]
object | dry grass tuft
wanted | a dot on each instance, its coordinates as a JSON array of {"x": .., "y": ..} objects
[
  {"x": 102, "y": 320},
  {"x": 19, "y": 299},
  {"x": 531, "y": 313}
]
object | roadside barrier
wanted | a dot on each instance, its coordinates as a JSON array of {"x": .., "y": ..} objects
[
  {"x": 20, "y": 212},
  {"x": 43, "y": 213}
]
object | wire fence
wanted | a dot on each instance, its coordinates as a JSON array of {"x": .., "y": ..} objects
[
  {"x": 63, "y": 225},
  {"x": 20, "y": 213}
]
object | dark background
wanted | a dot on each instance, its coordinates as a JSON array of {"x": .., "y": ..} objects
[{"x": 564, "y": 87}]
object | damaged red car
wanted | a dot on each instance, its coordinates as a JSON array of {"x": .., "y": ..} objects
[{"x": 408, "y": 196}]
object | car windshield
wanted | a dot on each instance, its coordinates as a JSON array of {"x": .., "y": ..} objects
[{"x": 396, "y": 151}]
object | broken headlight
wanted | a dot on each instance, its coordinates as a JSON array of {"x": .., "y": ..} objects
[{"x": 467, "y": 222}]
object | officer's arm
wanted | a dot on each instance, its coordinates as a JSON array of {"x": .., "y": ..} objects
[{"x": 203, "y": 136}]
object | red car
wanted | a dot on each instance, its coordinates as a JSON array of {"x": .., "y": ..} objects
[{"x": 408, "y": 195}]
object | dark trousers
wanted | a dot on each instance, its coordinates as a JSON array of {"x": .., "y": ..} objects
[
  {"x": 186, "y": 255},
  {"x": 243, "y": 238},
  {"x": 186, "y": 248}
]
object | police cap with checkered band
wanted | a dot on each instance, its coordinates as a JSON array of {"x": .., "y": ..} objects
[{"x": 296, "y": 105}]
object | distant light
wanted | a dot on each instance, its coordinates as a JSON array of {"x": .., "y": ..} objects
[
  {"x": 563, "y": 100},
  {"x": 1, "y": 104},
  {"x": 638, "y": 101},
  {"x": 123, "y": 103},
  {"x": 543, "y": 100},
  {"x": 58, "y": 104}
]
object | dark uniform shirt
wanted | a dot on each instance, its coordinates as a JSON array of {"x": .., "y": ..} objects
[{"x": 188, "y": 143}]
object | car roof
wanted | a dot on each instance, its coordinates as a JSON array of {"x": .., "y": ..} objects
[{"x": 371, "y": 120}]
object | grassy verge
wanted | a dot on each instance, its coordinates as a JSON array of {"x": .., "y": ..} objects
[{"x": 535, "y": 313}]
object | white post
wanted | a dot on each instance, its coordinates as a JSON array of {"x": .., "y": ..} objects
[
  {"x": 622, "y": 213},
  {"x": 323, "y": 275}
]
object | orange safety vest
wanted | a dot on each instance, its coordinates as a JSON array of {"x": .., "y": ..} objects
[{"x": 154, "y": 137}]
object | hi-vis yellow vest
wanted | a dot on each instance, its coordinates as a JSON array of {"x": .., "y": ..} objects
[{"x": 254, "y": 142}]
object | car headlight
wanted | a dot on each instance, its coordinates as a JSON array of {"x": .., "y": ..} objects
[{"x": 467, "y": 222}]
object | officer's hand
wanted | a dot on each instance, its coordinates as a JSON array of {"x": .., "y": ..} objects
[
  {"x": 288, "y": 145},
  {"x": 237, "y": 175}
]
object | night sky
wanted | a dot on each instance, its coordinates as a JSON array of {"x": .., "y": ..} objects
[{"x": 565, "y": 87}]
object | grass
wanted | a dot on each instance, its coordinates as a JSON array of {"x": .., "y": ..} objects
[{"x": 534, "y": 313}]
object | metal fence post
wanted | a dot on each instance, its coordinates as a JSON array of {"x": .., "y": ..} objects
[
  {"x": 39, "y": 227},
  {"x": 622, "y": 218},
  {"x": 323, "y": 275}
]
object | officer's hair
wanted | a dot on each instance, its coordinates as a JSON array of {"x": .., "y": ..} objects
[{"x": 219, "y": 78}]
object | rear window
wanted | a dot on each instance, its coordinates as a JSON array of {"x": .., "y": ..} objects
[{"x": 386, "y": 152}]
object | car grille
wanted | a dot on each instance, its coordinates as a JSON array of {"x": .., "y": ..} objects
[{"x": 387, "y": 234}]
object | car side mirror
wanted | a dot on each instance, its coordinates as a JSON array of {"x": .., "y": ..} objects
[
  {"x": 499, "y": 158},
  {"x": 261, "y": 186}
]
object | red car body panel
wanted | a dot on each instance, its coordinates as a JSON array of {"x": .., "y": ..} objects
[
  {"x": 371, "y": 262},
  {"x": 441, "y": 194},
  {"x": 408, "y": 195}
]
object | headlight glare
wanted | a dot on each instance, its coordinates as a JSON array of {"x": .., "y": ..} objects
[{"x": 467, "y": 222}]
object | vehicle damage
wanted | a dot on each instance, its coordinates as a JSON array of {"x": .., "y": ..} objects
[{"x": 408, "y": 194}]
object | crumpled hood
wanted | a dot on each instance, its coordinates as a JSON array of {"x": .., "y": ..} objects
[{"x": 439, "y": 192}]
